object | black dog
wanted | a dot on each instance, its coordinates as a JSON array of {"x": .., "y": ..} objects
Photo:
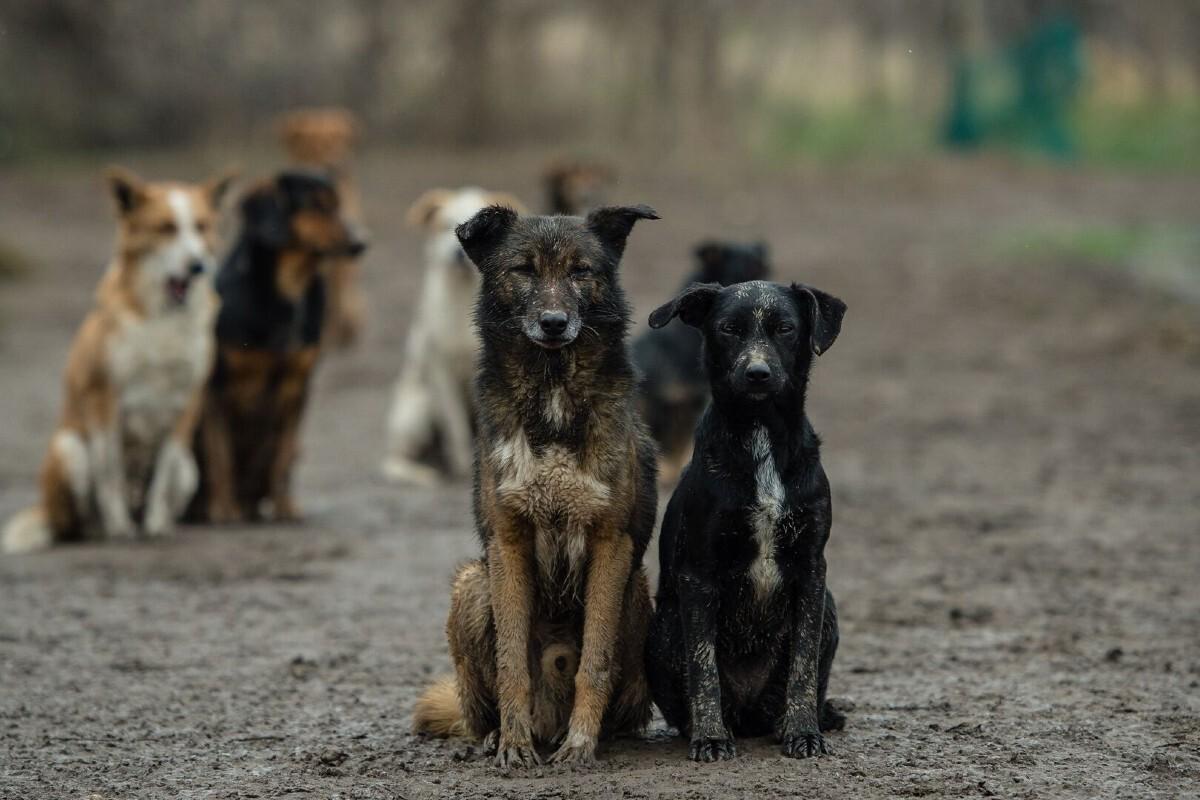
[
  {"x": 674, "y": 390},
  {"x": 745, "y": 631},
  {"x": 272, "y": 289}
]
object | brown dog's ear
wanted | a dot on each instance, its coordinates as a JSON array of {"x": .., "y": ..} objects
[
  {"x": 825, "y": 314},
  {"x": 423, "y": 212},
  {"x": 691, "y": 305},
  {"x": 612, "y": 224},
  {"x": 218, "y": 186},
  {"x": 480, "y": 235},
  {"x": 264, "y": 218},
  {"x": 127, "y": 189}
]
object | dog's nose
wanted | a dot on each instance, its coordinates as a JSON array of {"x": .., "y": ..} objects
[
  {"x": 196, "y": 268},
  {"x": 553, "y": 323},
  {"x": 356, "y": 248},
  {"x": 758, "y": 372}
]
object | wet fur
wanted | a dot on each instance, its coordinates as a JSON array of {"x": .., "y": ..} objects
[
  {"x": 565, "y": 500},
  {"x": 745, "y": 630}
]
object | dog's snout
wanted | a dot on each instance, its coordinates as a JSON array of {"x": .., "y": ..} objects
[
  {"x": 758, "y": 372},
  {"x": 553, "y": 323},
  {"x": 195, "y": 268}
]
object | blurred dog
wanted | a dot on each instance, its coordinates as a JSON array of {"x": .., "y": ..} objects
[
  {"x": 323, "y": 139},
  {"x": 565, "y": 498},
  {"x": 574, "y": 188},
  {"x": 745, "y": 630},
  {"x": 429, "y": 429},
  {"x": 272, "y": 288},
  {"x": 122, "y": 454},
  {"x": 674, "y": 389}
]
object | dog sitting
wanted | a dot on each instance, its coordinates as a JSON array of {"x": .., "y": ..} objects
[
  {"x": 121, "y": 458},
  {"x": 574, "y": 188},
  {"x": 547, "y": 631},
  {"x": 430, "y": 424},
  {"x": 322, "y": 139},
  {"x": 272, "y": 288},
  {"x": 674, "y": 389},
  {"x": 745, "y": 630}
]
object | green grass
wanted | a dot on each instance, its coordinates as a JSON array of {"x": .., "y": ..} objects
[
  {"x": 1149, "y": 136},
  {"x": 792, "y": 132}
]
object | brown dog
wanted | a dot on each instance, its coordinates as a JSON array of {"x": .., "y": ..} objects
[
  {"x": 272, "y": 289},
  {"x": 323, "y": 139},
  {"x": 547, "y": 630},
  {"x": 574, "y": 188},
  {"x": 122, "y": 453}
]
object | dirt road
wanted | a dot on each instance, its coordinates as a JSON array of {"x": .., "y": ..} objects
[{"x": 1015, "y": 457}]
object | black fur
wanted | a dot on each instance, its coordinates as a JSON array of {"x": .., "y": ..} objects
[
  {"x": 730, "y": 654},
  {"x": 674, "y": 390}
]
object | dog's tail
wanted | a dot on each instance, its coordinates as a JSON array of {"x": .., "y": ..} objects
[
  {"x": 27, "y": 531},
  {"x": 438, "y": 712}
]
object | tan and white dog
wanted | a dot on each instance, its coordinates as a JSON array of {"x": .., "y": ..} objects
[
  {"x": 121, "y": 455},
  {"x": 429, "y": 428}
]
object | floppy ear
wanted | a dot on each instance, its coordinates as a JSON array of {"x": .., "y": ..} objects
[
  {"x": 612, "y": 224},
  {"x": 825, "y": 315},
  {"x": 508, "y": 201},
  {"x": 480, "y": 235},
  {"x": 423, "y": 212},
  {"x": 127, "y": 189},
  {"x": 264, "y": 219},
  {"x": 691, "y": 305},
  {"x": 217, "y": 187}
]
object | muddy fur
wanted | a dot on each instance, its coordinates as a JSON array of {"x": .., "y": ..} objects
[
  {"x": 546, "y": 631},
  {"x": 745, "y": 631},
  {"x": 272, "y": 288}
]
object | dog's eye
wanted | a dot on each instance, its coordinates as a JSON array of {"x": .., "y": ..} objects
[
  {"x": 202, "y": 226},
  {"x": 785, "y": 327},
  {"x": 581, "y": 273},
  {"x": 522, "y": 269},
  {"x": 167, "y": 228},
  {"x": 729, "y": 327}
]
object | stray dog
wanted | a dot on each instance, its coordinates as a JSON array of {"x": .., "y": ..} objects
[
  {"x": 323, "y": 139},
  {"x": 745, "y": 630},
  {"x": 430, "y": 427},
  {"x": 272, "y": 288},
  {"x": 574, "y": 188},
  {"x": 674, "y": 389},
  {"x": 547, "y": 631},
  {"x": 122, "y": 454}
]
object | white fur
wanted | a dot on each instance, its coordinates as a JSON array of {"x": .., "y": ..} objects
[
  {"x": 26, "y": 532},
  {"x": 433, "y": 393},
  {"x": 765, "y": 516}
]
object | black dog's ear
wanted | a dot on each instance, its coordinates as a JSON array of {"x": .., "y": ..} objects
[
  {"x": 264, "y": 218},
  {"x": 612, "y": 224},
  {"x": 691, "y": 305},
  {"x": 825, "y": 315},
  {"x": 480, "y": 235}
]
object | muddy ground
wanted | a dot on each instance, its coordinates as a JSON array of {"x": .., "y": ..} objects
[{"x": 1014, "y": 447}]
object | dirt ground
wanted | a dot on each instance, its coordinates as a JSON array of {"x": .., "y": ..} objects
[{"x": 1014, "y": 450}]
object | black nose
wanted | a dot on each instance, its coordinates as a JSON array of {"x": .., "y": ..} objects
[
  {"x": 758, "y": 372},
  {"x": 196, "y": 268},
  {"x": 553, "y": 323},
  {"x": 356, "y": 247}
]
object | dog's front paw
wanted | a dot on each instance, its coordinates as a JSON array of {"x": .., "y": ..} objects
[
  {"x": 577, "y": 749},
  {"x": 709, "y": 750},
  {"x": 805, "y": 745},
  {"x": 516, "y": 753},
  {"x": 159, "y": 521}
]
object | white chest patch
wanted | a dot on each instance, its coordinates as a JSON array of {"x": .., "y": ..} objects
[
  {"x": 765, "y": 515},
  {"x": 556, "y": 407}
]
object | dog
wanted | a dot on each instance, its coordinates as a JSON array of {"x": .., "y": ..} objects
[
  {"x": 745, "y": 630},
  {"x": 121, "y": 459},
  {"x": 574, "y": 188},
  {"x": 430, "y": 424},
  {"x": 674, "y": 389},
  {"x": 272, "y": 288},
  {"x": 323, "y": 139},
  {"x": 547, "y": 630}
]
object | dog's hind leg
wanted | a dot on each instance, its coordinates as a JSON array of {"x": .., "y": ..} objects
[
  {"x": 830, "y": 718},
  {"x": 450, "y": 405},
  {"x": 666, "y": 667},
  {"x": 471, "y": 631},
  {"x": 410, "y": 429},
  {"x": 630, "y": 710}
]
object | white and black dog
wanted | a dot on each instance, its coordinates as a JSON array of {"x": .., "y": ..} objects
[
  {"x": 429, "y": 427},
  {"x": 745, "y": 630}
]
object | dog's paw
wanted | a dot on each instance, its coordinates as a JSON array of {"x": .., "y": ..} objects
[
  {"x": 158, "y": 522},
  {"x": 805, "y": 745},
  {"x": 491, "y": 743},
  {"x": 709, "y": 750},
  {"x": 516, "y": 754},
  {"x": 577, "y": 749}
]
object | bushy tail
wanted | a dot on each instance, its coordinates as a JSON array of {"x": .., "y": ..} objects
[
  {"x": 27, "y": 531},
  {"x": 438, "y": 712}
]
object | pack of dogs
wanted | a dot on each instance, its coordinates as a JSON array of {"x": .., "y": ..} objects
[{"x": 186, "y": 385}]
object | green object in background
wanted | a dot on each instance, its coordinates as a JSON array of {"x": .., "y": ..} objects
[{"x": 1021, "y": 97}]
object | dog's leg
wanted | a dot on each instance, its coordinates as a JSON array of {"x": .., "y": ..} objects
[
  {"x": 830, "y": 719},
  {"x": 609, "y": 567},
  {"x": 698, "y": 599},
  {"x": 666, "y": 664},
  {"x": 283, "y": 506},
  {"x": 220, "y": 478},
  {"x": 510, "y": 571},
  {"x": 451, "y": 409},
  {"x": 630, "y": 710},
  {"x": 107, "y": 464},
  {"x": 409, "y": 432},
  {"x": 472, "y": 640},
  {"x": 801, "y": 729},
  {"x": 175, "y": 475}
]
